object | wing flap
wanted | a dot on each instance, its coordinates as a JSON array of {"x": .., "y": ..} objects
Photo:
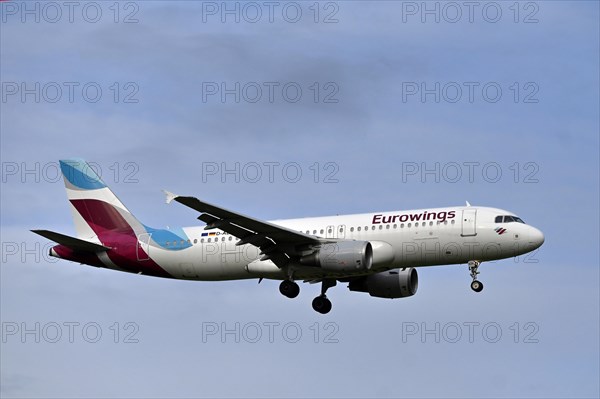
[{"x": 71, "y": 242}]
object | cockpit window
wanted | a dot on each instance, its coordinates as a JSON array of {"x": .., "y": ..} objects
[{"x": 508, "y": 219}]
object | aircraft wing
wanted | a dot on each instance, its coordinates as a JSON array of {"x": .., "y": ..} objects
[{"x": 276, "y": 243}]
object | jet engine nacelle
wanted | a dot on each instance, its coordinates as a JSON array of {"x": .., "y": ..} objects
[
  {"x": 395, "y": 283},
  {"x": 341, "y": 256}
]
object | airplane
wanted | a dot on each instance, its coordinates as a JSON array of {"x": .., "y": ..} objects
[{"x": 376, "y": 253}]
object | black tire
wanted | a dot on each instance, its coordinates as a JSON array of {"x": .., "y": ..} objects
[
  {"x": 321, "y": 304},
  {"x": 477, "y": 286},
  {"x": 289, "y": 289}
]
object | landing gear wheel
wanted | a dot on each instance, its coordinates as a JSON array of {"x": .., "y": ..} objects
[
  {"x": 289, "y": 289},
  {"x": 321, "y": 304},
  {"x": 476, "y": 286}
]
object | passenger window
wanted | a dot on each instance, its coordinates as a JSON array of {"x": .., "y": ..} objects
[
  {"x": 402, "y": 226},
  {"x": 380, "y": 227},
  {"x": 321, "y": 231},
  {"x": 358, "y": 228},
  {"x": 372, "y": 227},
  {"x": 395, "y": 226},
  {"x": 351, "y": 229},
  {"x": 314, "y": 231},
  {"x": 202, "y": 240},
  {"x": 431, "y": 223},
  {"x": 452, "y": 222},
  {"x": 209, "y": 240},
  {"x": 195, "y": 241},
  {"x": 408, "y": 225},
  {"x": 387, "y": 227},
  {"x": 168, "y": 243}
]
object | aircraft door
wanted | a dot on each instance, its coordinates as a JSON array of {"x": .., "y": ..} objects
[
  {"x": 469, "y": 219},
  {"x": 143, "y": 246}
]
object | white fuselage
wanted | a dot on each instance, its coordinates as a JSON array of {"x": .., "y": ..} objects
[{"x": 400, "y": 239}]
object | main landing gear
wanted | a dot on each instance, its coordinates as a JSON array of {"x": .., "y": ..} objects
[
  {"x": 289, "y": 288},
  {"x": 321, "y": 303},
  {"x": 476, "y": 285}
]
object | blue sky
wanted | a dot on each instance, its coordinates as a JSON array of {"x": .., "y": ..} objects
[{"x": 363, "y": 132}]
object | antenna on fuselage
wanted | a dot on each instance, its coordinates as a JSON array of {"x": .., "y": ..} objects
[{"x": 468, "y": 203}]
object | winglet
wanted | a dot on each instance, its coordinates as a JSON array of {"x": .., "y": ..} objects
[{"x": 169, "y": 196}]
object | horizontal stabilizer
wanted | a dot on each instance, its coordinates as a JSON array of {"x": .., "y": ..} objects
[{"x": 71, "y": 242}]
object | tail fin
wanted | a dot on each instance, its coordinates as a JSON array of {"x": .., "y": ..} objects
[{"x": 95, "y": 208}]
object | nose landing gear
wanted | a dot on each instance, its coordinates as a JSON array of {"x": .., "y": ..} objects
[{"x": 476, "y": 285}]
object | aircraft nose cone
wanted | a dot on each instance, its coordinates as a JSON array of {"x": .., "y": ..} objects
[{"x": 536, "y": 238}]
